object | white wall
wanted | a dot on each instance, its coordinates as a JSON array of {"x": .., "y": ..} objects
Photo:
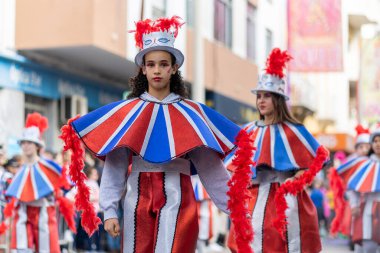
[
  {"x": 273, "y": 16},
  {"x": 239, "y": 28},
  {"x": 7, "y": 24},
  {"x": 11, "y": 116}
]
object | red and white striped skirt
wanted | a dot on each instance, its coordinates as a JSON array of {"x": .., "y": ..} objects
[
  {"x": 160, "y": 213},
  {"x": 302, "y": 234}
]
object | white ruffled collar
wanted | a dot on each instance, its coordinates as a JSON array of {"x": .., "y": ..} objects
[{"x": 171, "y": 98}]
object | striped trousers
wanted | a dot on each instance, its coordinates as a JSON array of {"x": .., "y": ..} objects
[
  {"x": 302, "y": 233},
  {"x": 35, "y": 229},
  {"x": 366, "y": 226},
  {"x": 160, "y": 213}
]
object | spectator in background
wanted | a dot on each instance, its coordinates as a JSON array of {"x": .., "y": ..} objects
[
  {"x": 82, "y": 241},
  {"x": 318, "y": 199}
]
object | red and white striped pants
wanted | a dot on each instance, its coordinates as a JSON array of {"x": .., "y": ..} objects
[
  {"x": 302, "y": 234},
  {"x": 35, "y": 229},
  {"x": 366, "y": 226},
  {"x": 160, "y": 213}
]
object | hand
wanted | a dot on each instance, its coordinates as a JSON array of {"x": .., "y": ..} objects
[
  {"x": 355, "y": 211},
  {"x": 112, "y": 227}
]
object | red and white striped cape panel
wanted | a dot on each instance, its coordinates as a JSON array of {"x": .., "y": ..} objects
[
  {"x": 35, "y": 228},
  {"x": 302, "y": 229},
  {"x": 156, "y": 132},
  {"x": 160, "y": 213}
]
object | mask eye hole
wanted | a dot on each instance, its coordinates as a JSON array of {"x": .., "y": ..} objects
[
  {"x": 147, "y": 42},
  {"x": 163, "y": 40},
  {"x": 269, "y": 84}
]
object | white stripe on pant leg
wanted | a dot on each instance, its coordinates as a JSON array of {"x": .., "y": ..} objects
[
  {"x": 293, "y": 227},
  {"x": 204, "y": 220},
  {"x": 258, "y": 217},
  {"x": 21, "y": 232},
  {"x": 169, "y": 213},
  {"x": 367, "y": 220},
  {"x": 130, "y": 203},
  {"x": 43, "y": 231}
]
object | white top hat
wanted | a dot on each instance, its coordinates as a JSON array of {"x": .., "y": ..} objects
[
  {"x": 375, "y": 133},
  {"x": 158, "y": 35},
  {"x": 362, "y": 135},
  {"x": 273, "y": 78},
  {"x": 35, "y": 125}
]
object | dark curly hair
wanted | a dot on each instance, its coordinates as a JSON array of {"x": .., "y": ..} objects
[{"x": 139, "y": 83}]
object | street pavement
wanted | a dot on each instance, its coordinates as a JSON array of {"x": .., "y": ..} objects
[{"x": 328, "y": 246}]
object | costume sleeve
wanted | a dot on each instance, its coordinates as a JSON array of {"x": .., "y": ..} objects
[
  {"x": 113, "y": 181},
  {"x": 353, "y": 198},
  {"x": 213, "y": 175}
]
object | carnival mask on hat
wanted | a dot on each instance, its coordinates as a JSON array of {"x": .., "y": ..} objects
[
  {"x": 158, "y": 35},
  {"x": 273, "y": 78},
  {"x": 35, "y": 126}
]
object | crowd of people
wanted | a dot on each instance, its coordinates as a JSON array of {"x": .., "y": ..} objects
[{"x": 157, "y": 164}]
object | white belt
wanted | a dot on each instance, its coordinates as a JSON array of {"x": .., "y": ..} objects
[{"x": 178, "y": 165}]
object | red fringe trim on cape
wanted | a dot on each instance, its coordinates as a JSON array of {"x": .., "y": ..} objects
[
  {"x": 90, "y": 220},
  {"x": 239, "y": 194},
  {"x": 338, "y": 189},
  {"x": 295, "y": 186}
]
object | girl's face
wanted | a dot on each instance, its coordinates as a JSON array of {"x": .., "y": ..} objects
[
  {"x": 264, "y": 103},
  {"x": 363, "y": 148},
  {"x": 29, "y": 148},
  {"x": 376, "y": 145},
  {"x": 158, "y": 69}
]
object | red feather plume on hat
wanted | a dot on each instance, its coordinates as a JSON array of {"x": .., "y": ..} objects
[
  {"x": 276, "y": 62},
  {"x": 161, "y": 24},
  {"x": 37, "y": 120},
  {"x": 361, "y": 130}
]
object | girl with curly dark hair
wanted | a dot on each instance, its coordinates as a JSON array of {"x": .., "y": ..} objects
[
  {"x": 161, "y": 134},
  {"x": 139, "y": 84}
]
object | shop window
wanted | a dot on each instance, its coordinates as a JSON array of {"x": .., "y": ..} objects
[{"x": 223, "y": 22}]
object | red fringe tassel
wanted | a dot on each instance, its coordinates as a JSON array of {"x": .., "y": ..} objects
[
  {"x": 239, "y": 194},
  {"x": 294, "y": 187},
  {"x": 338, "y": 189},
  {"x": 66, "y": 208},
  {"x": 90, "y": 220}
]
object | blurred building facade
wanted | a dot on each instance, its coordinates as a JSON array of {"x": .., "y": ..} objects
[{"x": 67, "y": 57}]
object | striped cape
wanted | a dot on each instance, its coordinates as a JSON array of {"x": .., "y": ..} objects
[
  {"x": 36, "y": 181},
  {"x": 361, "y": 174},
  {"x": 158, "y": 132},
  {"x": 282, "y": 147}
]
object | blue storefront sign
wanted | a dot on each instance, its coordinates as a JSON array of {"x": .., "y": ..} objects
[{"x": 17, "y": 72}]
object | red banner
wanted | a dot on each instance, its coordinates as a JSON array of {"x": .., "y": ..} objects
[{"x": 315, "y": 35}]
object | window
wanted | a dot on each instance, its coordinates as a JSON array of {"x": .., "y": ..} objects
[
  {"x": 223, "y": 22},
  {"x": 251, "y": 31},
  {"x": 190, "y": 13},
  {"x": 268, "y": 41}
]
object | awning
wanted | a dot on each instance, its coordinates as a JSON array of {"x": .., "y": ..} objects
[{"x": 336, "y": 141}]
